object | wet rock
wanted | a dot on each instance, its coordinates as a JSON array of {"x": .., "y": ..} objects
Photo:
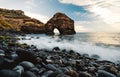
[
  {"x": 54, "y": 74},
  {"x": 72, "y": 73},
  {"x": 49, "y": 61},
  {"x": 110, "y": 68},
  {"x": 29, "y": 74},
  {"x": 80, "y": 66},
  {"x": 27, "y": 65},
  {"x": 38, "y": 60},
  {"x": 62, "y": 75},
  {"x": 12, "y": 55},
  {"x": 95, "y": 56},
  {"x": 103, "y": 62},
  {"x": 51, "y": 67},
  {"x": 46, "y": 74},
  {"x": 56, "y": 49},
  {"x": 1, "y": 61},
  {"x": 34, "y": 69},
  {"x": 92, "y": 70},
  {"x": 26, "y": 56},
  {"x": 85, "y": 55},
  {"x": 64, "y": 69},
  {"x": 92, "y": 63},
  {"x": 102, "y": 73},
  {"x": 19, "y": 69},
  {"x": 2, "y": 52},
  {"x": 84, "y": 74},
  {"x": 9, "y": 73},
  {"x": 8, "y": 63},
  {"x": 118, "y": 74},
  {"x": 41, "y": 71}
]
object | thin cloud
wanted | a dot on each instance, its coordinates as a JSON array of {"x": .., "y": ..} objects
[
  {"x": 106, "y": 13},
  {"x": 40, "y": 17},
  {"x": 30, "y": 4}
]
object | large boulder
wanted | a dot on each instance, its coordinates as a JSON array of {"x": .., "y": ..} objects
[{"x": 62, "y": 22}]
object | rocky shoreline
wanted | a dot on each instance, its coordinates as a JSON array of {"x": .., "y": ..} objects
[{"x": 22, "y": 60}]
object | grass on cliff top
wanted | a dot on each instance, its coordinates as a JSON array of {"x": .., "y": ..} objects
[{"x": 5, "y": 24}]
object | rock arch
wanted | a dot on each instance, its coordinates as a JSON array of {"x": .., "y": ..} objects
[
  {"x": 56, "y": 31},
  {"x": 62, "y": 22}
]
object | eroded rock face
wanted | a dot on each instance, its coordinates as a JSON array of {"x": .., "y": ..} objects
[
  {"x": 62, "y": 22},
  {"x": 33, "y": 29},
  {"x": 33, "y": 26},
  {"x": 17, "y": 21}
]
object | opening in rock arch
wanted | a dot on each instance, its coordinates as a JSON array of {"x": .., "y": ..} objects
[{"x": 56, "y": 31}]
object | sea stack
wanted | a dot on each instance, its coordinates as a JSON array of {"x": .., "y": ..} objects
[{"x": 62, "y": 22}]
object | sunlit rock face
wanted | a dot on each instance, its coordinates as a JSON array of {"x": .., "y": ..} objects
[
  {"x": 62, "y": 22},
  {"x": 18, "y": 21},
  {"x": 33, "y": 26}
]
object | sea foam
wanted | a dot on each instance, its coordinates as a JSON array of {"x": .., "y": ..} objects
[{"x": 73, "y": 43}]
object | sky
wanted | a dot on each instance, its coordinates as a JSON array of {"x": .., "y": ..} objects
[{"x": 89, "y": 15}]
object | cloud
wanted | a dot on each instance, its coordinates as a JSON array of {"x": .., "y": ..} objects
[
  {"x": 77, "y": 2},
  {"x": 81, "y": 29},
  {"x": 40, "y": 17},
  {"x": 105, "y": 12},
  {"x": 30, "y": 4},
  {"x": 95, "y": 26}
]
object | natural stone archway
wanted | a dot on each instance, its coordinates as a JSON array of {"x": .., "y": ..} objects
[
  {"x": 56, "y": 31},
  {"x": 62, "y": 22}
]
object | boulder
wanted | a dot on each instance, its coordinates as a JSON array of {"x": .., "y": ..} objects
[
  {"x": 29, "y": 74},
  {"x": 9, "y": 73},
  {"x": 102, "y": 73}
]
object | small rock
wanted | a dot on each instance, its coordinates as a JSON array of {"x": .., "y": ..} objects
[
  {"x": 102, "y": 73},
  {"x": 27, "y": 65},
  {"x": 94, "y": 56},
  {"x": 62, "y": 75},
  {"x": 56, "y": 49},
  {"x": 85, "y": 55},
  {"x": 34, "y": 69},
  {"x": 2, "y": 53},
  {"x": 72, "y": 73},
  {"x": 84, "y": 74},
  {"x": 19, "y": 69},
  {"x": 9, "y": 73},
  {"x": 51, "y": 67},
  {"x": 26, "y": 56},
  {"x": 29, "y": 74},
  {"x": 46, "y": 74}
]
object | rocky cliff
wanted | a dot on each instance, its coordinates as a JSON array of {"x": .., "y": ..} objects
[
  {"x": 62, "y": 22},
  {"x": 16, "y": 20}
]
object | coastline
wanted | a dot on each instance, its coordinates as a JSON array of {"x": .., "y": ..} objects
[{"x": 34, "y": 62}]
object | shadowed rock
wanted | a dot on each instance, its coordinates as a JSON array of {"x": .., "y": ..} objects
[
  {"x": 102, "y": 73},
  {"x": 9, "y": 73}
]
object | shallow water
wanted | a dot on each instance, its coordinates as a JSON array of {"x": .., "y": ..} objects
[{"x": 106, "y": 45}]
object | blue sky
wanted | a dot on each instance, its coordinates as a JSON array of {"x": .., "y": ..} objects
[{"x": 89, "y": 15}]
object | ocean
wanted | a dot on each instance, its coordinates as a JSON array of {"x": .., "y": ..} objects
[{"x": 105, "y": 45}]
